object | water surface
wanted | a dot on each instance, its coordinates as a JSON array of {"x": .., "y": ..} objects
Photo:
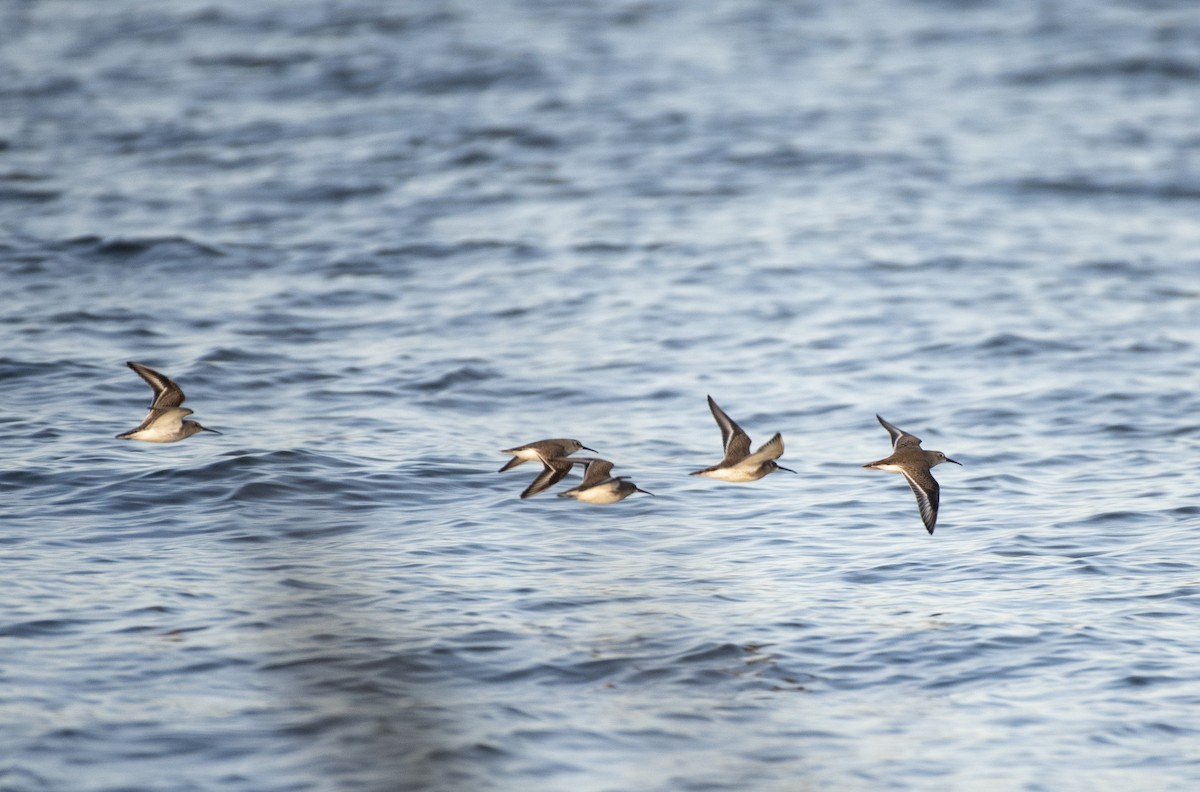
[{"x": 377, "y": 242}]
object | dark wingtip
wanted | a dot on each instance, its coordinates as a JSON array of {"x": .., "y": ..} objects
[{"x": 930, "y": 529}]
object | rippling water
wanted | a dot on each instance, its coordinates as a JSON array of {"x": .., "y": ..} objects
[{"x": 376, "y": 242}]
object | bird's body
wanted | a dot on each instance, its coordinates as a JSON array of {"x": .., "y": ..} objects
[
  {"x": 739, "y": 465},
  {"x": 914, "y": 462},
  {"x": 541, "y": 451},
  {"x": 164, "y": 423},
  {"x": 599, "y": 487},
  {"x": 611, "y": 491},
  {"x": 165, "y": 426}
]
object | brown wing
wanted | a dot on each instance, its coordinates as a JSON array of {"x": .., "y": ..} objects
[
  {"x": 925, "y": 487},
  {"x": 735, "y": 441},
  {"x": 597, "y": 470},
  {"x": 166, "y": 393},
  {"x": 772, "y": 449},
  {"x": 900, "y": 438},
  {"x": 553, "y": 471}
]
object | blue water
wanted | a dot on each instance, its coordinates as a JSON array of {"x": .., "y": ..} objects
[{"x": 377, "y": 242}]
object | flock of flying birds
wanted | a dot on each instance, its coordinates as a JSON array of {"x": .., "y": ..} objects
[{"x": 165, "y": 424}]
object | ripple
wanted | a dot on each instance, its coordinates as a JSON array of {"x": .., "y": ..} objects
[{"x": 1120, "y": 68}]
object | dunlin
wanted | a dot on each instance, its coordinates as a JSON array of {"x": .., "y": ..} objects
[
  {"x": 914, "y": 462},
  {"x": 164, "y": 423},
  {"x": 541, "y": 451},
  {"x": 739, "y": 464},
  {"x": 598, "y": 486}
]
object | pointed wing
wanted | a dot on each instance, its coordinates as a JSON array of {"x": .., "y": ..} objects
[
  {"x": 597, "y": 471},
  {"x": 925, "y": 487},
  {"x": 735, "y": 441},
  {"x": 166, "y": 393},
  {"x": 512, "y": 463},
  {"x": 553, "y": 471},
  {"x": 772, "y": 449},
  {"x": 900, "y": 438}
]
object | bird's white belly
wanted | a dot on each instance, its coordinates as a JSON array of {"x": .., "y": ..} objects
[
  {"x": 599, "y": 494},
  {"x": 157, "y": 434},
  {"x": 735, "y": 474}
]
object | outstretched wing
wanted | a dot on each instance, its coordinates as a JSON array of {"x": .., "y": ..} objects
[
  {"x": 166, "y": 393},
  {"x": 553, "y": 471},
  {"x": 512, "y": 463},
  {"x": 772, "y": 449},
  {"x": 900, "y": 438},
  {"x": 597, "y": 471},
  {"x": 735, "y": 441},
  {"x": 925, "y": 487}
]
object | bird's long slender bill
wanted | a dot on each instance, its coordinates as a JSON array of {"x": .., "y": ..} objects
[
  {"x": 948, "y": 459},
  {"x": 781, "y": 467},
  {"x": 206, "y": 429}
]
